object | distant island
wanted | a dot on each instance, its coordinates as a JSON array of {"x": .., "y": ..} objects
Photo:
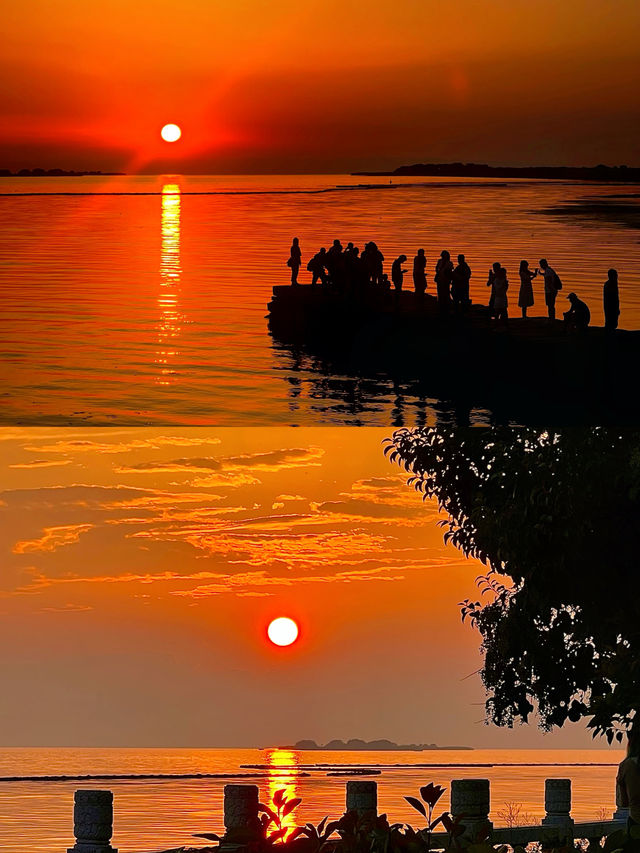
[
  {"x": 480, "y": 170},
  {"x": 378, "y": 745},
  {"x": 51, "y": 173}
]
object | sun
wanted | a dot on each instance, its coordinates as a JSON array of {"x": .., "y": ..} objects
[
  {"x": 282, "y": 631},
  {"x": 171, "y": 133}
]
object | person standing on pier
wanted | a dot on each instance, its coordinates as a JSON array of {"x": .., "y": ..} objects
[
  {"x": 420, "y": 273},
  {"x": 552, "y": 285},
  {"x": 295, "y": 259},
  {"x": 397, "y": 273},
  {"x": 611, "y": 301},
  {"x": 499, "y": 288},
  {"x": 460, "y": 286},
  {"x": 628, "y": 781},
  {"x": 443, "y": 277},
  {"x": 525, "y": 297}
]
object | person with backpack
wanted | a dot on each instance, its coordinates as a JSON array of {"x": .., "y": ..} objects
[
  {"x": 552, "y": 285},
  {"x": 317, "y": 266}
]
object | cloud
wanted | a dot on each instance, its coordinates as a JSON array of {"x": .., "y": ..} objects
[
  {"x": 42, "y": 463},
  {"x": 239, "y": 583},
  {"x": 82, "y": 445},
  {"x": 266, "y": 461},
  {"x": 67, "y": 608},
  {"x": 52, "y": 538}
]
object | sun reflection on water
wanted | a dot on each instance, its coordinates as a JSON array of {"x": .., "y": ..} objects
[
  {"x": 281, "y": 775},
  {"x": 170, "y": 272}
]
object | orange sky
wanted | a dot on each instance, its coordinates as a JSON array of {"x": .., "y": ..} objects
[
  {"x": 140, "y": 568},
  {"x": 327, "y": 85}
]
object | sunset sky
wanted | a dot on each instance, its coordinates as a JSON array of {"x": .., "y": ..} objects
[
  {"x": 141, "y": 568},
  {"x": 317, "y": 85}
]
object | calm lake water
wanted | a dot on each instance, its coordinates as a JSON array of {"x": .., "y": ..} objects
[
  {"x": 142, "y": 300},
  {"x": 153, "y": 815}
]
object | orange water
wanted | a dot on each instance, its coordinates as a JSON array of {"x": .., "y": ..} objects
[
  {"x": 149, "y": 307},
  {"x": 153, "y": 815}
]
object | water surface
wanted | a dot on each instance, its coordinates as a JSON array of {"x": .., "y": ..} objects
[
  {"x": 151, "y": 815},
  {"x": 142, "y": 300}
]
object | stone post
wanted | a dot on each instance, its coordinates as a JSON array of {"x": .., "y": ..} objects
[
  {"x": 362, "y": 797},
  {"x": 92, "y": 822},
  {"x": 471, "y": 798},
  {"x": 621, "y": 813},
  {"x": 557, "y": 805},
  {"x": 241, "y": 821}
]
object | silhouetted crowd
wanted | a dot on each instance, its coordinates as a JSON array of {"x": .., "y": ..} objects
[{"x": 353, "y": 272}]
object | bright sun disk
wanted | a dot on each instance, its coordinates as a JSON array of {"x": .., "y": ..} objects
[
  {"x": 171, "y": 133},
  {"x": 282, "y": 631}
]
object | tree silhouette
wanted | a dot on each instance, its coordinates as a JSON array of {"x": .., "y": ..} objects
[{"x": 555, "y": 517}]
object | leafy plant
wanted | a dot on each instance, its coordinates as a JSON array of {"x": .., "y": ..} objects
[
  {"x": 430, "y": 795},
  {"x": 319, "y": 835},
  {"x": 282, "y": 807}
]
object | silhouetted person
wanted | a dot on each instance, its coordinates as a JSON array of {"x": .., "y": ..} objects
[
  {"x": 443, "y": 276},
  {"x": 525, "y": 296},
  {"x": 335, "y": 263},
  {"x": 295, "y": 259},
  {"x": 353, "y": 268},
  {"x": 376, "y": 261},
  {"x": 316, "y": 266},
  {"x": 552, "y": 285},
  {"x": 628, "y": 779},
  {"x": 460, "y": 285},
  {"x": 420, "y": 273},
  {"x": 499, "y": 288},
  {"x": 397, "y": 273},
  {"x": 611, "y": 301},
  {"x": 578, "y": 316},
  {"x": 495, "y": 269},
  {"x": 349, "y": 248}
]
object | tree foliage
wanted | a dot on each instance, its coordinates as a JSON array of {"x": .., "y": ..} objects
[{"x": 555, "y": 517}]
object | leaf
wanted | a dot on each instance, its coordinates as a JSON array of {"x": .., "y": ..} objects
[
  {"x": 210, "y": 836},
  {"x": 279, "y": 797},
  {"x": 297, "y": 831},
  {"x": 290, "y": 805},
  {"x": 417, "y": 805},
  {"x": 273, "y": 817},
  {"x": 277, "y": 834},
  {"x": 331, "y": 827}
]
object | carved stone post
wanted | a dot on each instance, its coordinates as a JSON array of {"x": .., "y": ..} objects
[
  {"x": 557, "y": 805},
  {"x": 471, "y": 798},
  {"x": 241, "y": 814},
  {"x": 362, "y": 797},
  {"x": 92, "y": 822}
]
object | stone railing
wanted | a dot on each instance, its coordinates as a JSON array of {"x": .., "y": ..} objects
[{"x": 470, "y": 800}]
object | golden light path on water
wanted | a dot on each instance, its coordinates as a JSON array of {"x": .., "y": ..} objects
[
  {"x": 170, "y": 272},
  {"x": 282, "y": 776}
]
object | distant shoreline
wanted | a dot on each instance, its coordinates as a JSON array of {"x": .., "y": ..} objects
[
  {"x": 55, "y": 173},
  {"x": 355, "y": 744},
  {"x": 480, "y": 170}
]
